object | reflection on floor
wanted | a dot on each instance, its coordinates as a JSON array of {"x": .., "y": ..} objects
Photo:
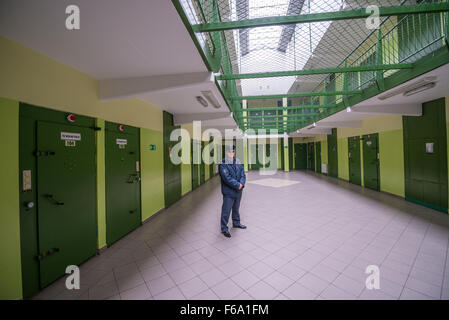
[{"x": 310, "y": 240}]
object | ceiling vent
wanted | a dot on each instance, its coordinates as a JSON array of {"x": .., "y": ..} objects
[{"x": 421, "y": 85}]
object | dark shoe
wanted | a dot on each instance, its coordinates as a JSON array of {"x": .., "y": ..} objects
[
  {"x": 226, "y": 234},
  {"x": 240, "y": 226}
]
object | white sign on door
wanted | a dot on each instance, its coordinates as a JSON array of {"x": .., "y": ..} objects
[{"x": 70, "y": 136}]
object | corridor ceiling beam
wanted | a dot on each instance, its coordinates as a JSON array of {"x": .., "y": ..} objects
[
  {"x": 339, "y": 124},
  {"x": 286, "y": 108},
  {"x": 320, "y": 17},
  {"x": 112, "y": 89},
  {"x": 295, "y": 95},
  {"x": 398, "y": 109},
  {"x": 314, "y": 71},
  {"x": 185, "y": 118},
  {"x": 291, "y": 115}
]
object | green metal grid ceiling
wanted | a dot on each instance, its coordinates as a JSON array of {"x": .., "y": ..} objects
[{"x": 294, "y": 62}]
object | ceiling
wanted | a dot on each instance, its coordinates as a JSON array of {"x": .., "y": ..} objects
[
  {"x": 397, "y": 104},
  {"x": 117, "y": 41}
]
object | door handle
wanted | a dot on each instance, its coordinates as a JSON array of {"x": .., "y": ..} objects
[
  {"x": 46, "y": 254},
  {"x": 44, "y": 153},
  {"x": 133, "y": 211},
  {"x": 53, "y": 200}
]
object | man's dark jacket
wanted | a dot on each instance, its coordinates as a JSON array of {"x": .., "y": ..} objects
[{"x": 232, "y": 175}]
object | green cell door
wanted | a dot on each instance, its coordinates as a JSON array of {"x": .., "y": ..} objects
[
  {"x": 172, "y": 172},
  {"x": 66, "y": 198},
  {"x": 282, "y": 154},
  {"x": 290, "y": 153},
  {"x": 212, "y": 154},
  {"x": 318, "y": 156},
  {"x": 122, "y": 158},
  {"x": 310, "y": 156},
  {"x": 194, "y": 166},
  {"x": 332, "y": 152},
  {"x": 267, "y": 155},
  {"x": 354, "y": 160},
  {"x": 425, "y": 156},
  {"x": 371, "y": 161},
  {"x": 202, "y": 166},
  {"x": 255, "y": 163},
  {"x": 300, "y": 156}
]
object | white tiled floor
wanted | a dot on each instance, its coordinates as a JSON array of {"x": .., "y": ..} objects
[{"x": 311, "y": 240}]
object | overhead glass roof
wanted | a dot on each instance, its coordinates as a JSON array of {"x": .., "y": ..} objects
[{"x": 266, "y": 47}]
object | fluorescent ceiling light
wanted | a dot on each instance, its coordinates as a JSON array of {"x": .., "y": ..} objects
[
  {"x": 419, "y": 89},
  {"x": 211, "y": 98},
  {"x": 201, "y": 101},
  {"x": 411, "y": 87}
]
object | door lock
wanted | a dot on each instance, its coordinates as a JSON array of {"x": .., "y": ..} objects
[
  {"x": 29, "y": 205},
  {"x": 133, "y": 178}
]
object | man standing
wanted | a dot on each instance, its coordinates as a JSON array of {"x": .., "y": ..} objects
[{"x": 232, "y": 183}]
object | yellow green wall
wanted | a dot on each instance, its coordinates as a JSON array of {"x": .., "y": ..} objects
[
  {"x": 391, "y": 153},
  {"x": 101, "y": 184},
  {"x": 152, "y": 172},
  {"x": 10, "y": 263},
  {"x": 30, "y": 77},
  {"x": 343, "y": 160}
]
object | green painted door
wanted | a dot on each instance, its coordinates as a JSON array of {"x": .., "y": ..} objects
[
  {"x": 332, "y": 152},
  {"x": 212, "y": 165},
  {"x": 66, "y": 198},
  {"x": 311, "y": 156},
  {"x": 194, "y": 166},
  {"x": 371, "y": 161},
  {"x": 172, "y": 172},
  {"x": 282, "y": 154},
  {"x": 354, "y": 160},
  {"x": 290, "y": 153},
  {"x": 300, "y": 156},
  {"x": 267, "y": 155},
  {"x": 318, "y": 156},
  {"x": 122, "y": 181},
  {"x": 256, "y": 163},
  {"x": 202, "y": 166},
  {"x": 425, "y": 156}
]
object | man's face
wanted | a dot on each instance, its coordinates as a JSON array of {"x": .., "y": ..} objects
[{"x": 230, "y": 154}]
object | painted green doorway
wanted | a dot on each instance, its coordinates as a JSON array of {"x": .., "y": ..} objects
[
  {"x": 122, "y": 169},
  {"x": 172, "y": 172},
  {"x": 194, "y": 167},
  {"x": 311, "y": 156},
  {"x": 255, "y": 163},
  {"x": 425, "y": 156},
  {"x": 332, "y": 152},
  {"x": 300, "y": 156},
  {"x": 318, "y": 156},
  {"x": 371, "y": 177},
  {"x": 355, "y": 175},
  {"x": 58, "y": 225},
  {"x": 202, "y": 166}
]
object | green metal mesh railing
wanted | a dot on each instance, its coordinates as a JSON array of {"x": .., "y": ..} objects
[{"x": 323, "y": 46}]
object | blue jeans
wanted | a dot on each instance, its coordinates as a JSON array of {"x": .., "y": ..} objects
[{"x": 228, "y": 204}]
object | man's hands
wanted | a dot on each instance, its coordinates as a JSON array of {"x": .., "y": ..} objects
[{"x": 240, "y": 187}]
